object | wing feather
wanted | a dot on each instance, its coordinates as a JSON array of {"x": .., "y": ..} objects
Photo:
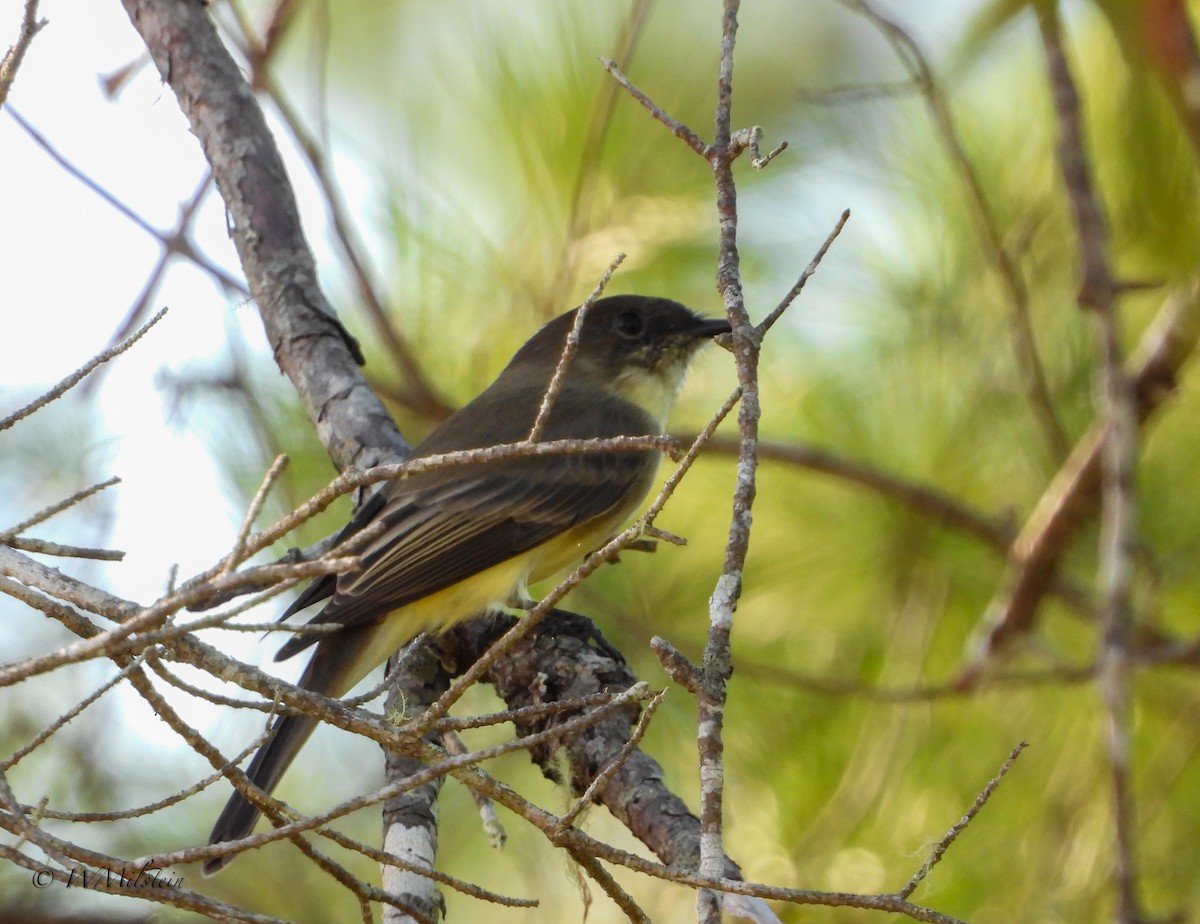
[{"x": 447, "y": 525}]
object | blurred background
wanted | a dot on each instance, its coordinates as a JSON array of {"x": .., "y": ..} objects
[{"x": 486, "y": 170}]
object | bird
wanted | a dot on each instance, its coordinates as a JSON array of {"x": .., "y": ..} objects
[{"x": 458, "y": 540}]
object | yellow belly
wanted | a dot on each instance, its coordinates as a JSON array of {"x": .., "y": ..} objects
[{"x": 495, "y": 587}]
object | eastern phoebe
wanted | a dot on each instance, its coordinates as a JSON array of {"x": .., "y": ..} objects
[{"x": 459, "y": 540}]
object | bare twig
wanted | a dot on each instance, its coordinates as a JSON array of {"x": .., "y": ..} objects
[
  {"x": 492, "y": 828},
  {"x": 525, "y": 714},
  {"x": 41, "y": 737},
  {"x": 769, "y": 321},
  {"x": 653, "y": 532},
  {"x": 601, "y": 779},
  {"x": 151, "y": 807},
  {"x": 453, "y": 882},
  {"x": 750, "y": 138},
  {"x": 1025, "y": 345},
  {"x": 43, "y": 515},
  {"x": 11, "y": 63},
  {"x": 175, "y": 242},
  {"x": 568, "y": 353},
  {"x": 958, "y": 827},
  {"x": 237, "y": 555},
  {"x": 611, "y": 887},
  {"x": 143, "y": 622},
  {"x": 996, "y": 532},
  {"x": 1118, "y": 529},
  {"x": 677, "y": 665},
  {"x": 747, "y": 343},
  {"x": 79, "y": 374},
  {"x": 681, "y": 131},
  {"x": 43, "y": 547}
]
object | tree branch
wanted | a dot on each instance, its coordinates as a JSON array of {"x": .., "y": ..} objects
[{"x": 310, "y": 344}]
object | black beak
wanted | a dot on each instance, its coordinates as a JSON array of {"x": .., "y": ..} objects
[{"x": 710, "y": 327}]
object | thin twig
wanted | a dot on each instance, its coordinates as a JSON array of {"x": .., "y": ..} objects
[
  {"x": 1073, "y": 494},
  {"x": 237, "y": 554},
  {"x": 769, "y": 321},
  {"x": 30, "y": 26},
  {"x": 150, "y": 808},
  {"x": 1025, "y": 345},
  {"x": 681, "y": 131},
  {"x": 746, "y": 344},
  {"x": 750, "y": 138},
  {"x": 611, "y": 887},
  {"x": 601, "y": 779},
  {"x": 996, "y": 532},
  {"x": 1118, "y": 530},
  {"x": 958, "y": 827},
  {"x": 496, "y": 835},
  {"x": 144, "y": 623},
  {"x": 453, "y": 882},
  {"x": 44, "y": 547},
  {"x": 42, "y": 515},
  {"x": 79, "y": 374},
  {"x": 175, "y": 242},
  {"x": 568, "y": 353},
  {"x": 655, "y": 533},
  {"x": 42, "y": 736},
  {"x": 677, "y": 665}
]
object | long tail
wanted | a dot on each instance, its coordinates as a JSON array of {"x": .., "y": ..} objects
[
  {"x": 239, "y": 817},
  {"x": 335, "y": 667}
]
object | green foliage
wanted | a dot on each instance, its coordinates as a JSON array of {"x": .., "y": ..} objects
[{"x": 497, "y": 200}]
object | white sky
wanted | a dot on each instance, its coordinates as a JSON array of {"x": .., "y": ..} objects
[{"x": 73, "y": 266}]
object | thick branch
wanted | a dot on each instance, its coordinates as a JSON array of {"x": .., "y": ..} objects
[
  {"x": 310, "y": 344},
  {"x": 564, "y": 658}
]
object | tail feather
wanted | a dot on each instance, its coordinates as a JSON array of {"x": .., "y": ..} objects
[
  {"x": 239, "y": 816},
  {"x": 335, "y": 667}
]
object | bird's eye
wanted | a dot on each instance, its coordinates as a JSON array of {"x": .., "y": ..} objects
[{"x": 629, "y": 324}]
